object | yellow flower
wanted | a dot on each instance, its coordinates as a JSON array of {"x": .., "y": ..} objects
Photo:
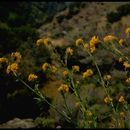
[
  {"x": 94, "y": 41},
  {"x": 32, "y": 77},
  {"x": 121, "y": 99},
  {"x": 75, "y": 68},
  {"x": 107, "y": 77},
  {"x": 53, "y": 69},
  {"x": 89, "y": 47},
  {"x": 77, "y": 82},
  {"x": 12, "y": 68},
  {"x": 128, "y": 80},
  {"x": 3, "y": 60},
  {"x": 63, "y": 88},
  {"x": 86, "y": 46},
  {"x": 92, "y": 49},
  {"x": 77, "y": 104},
  {"x": 126, "y": 64},
  {"x": 66, "y": 72},
  {"x": 108, "y": 100},
  {"x": 127, "y": 31},
  {"x": 88, "y": 113},
  {"x": 90, "y": 122},
  {"x": 88, "y": 73},
  {"x": 122, "y": 114},
  {"x": 17, "y": 56},
  {"x": 47, "y": 41},
  {"x": 39, "y": 42},
  {"x": 122, "y": 42},
  {"x": 79, "y": 42},
  {"x": 120, "y": 59},
  {"x": 110, "y": 38},
  {"x": 69, "y": 51},
  {"x": 45, "y": 66}
]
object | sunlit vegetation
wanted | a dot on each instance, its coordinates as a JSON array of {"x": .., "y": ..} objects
[{"x": 84, "y": 84}]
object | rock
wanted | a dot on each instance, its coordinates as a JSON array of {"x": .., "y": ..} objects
[{"x": 19, "y": 123}]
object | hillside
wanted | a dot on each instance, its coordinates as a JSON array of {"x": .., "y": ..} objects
[{"x": 89, "y": 20}]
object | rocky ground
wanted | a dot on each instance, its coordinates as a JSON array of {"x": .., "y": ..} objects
[{"x": 19, "y": 123}]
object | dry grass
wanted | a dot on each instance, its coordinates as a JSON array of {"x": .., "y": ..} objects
[{"x": 90, "y": 20}]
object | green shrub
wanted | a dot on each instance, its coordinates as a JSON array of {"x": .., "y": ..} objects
[{"x": 121, "y": 11}]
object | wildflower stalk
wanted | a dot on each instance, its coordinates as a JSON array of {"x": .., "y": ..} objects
[
  {"x": 71, "y": 79},
  {"x": 103, "y": 84},
  {"x": 72, "y": 82},
  {"x": 76, "y": 92},
  {"x": 42, "y": 97},
  {"x": 100, "y": 75},
  {"x": 102, "y": 81},
  {"x": 58, "y": 56},
  {"x": 115, "y": 51},
  {"x": 75, "y": 89},
  {"x": 63, "y": 95},
  {"x": 66, "y": 57}
]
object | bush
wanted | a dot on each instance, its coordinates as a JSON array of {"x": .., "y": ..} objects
[
  {"x": 113, "y": 17},
  {"x": 121, "y": 11}
]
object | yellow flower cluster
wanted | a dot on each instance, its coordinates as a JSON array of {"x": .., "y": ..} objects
[
  {"x": 121, "y": 99},
  {"x": 77, "y": 104},
  {"x": 12, "y": 68},
  {"x": 17, "y": 56},
  {"x": 122, "y": 42},
  {"x": 120, "y": 59},
  {"x": 45, "y": 66},
  {"x": 54, "y": 69},
  {"x": 108, "y": 100},
  {"x": 107, "y": 77},
  {"x": 3, "y": 60},
  {"x": 90, "y": 122},
  {"x": 91, "y": 48},
  {"x": 122, "y": 114},
  {"x": 110, "y": 38},
  {"x": 45, "y": 41},
  {"x": 126, "y": 64},
  {"x": 87, "y": 73},
  {"x": 65, "y": 72},
  {"x": 63, "y": 88},
  {"x": 39, "y": 42},
  {"x": 94, "y": 41},
  {"x": 77, "y": 82},
  {"x": 86, "y": 46},
  {"x": 128, "y": 80},
  {"x": 127, "y": 31},
  {"x": 75, "y": 68},
  {"x": 69, "y": 51},
  {"x": 32, "y": 77},
  {"x": 79, "y": 42},
  {"x": 88, "y": 113}
]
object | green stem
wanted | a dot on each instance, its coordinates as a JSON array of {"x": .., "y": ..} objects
[
  {"x": 42, "y": 97},
  {"x": 68, "y": 118},
  {"x": 57, "y": 54},
  {"x": 102, "y": 81},
  {"x": 77, "y": 94},
  {"x": 75, "y": 90},
  {"x": 66, "y": 104},
  {"x": 66, "y": 57}
]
